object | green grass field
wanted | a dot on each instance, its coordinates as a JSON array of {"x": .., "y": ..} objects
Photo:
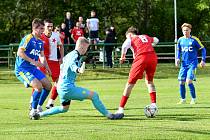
[{"x": 84, "y": 122}]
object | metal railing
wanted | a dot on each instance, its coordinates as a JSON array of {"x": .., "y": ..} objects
[{"x": 8, "y": 57}]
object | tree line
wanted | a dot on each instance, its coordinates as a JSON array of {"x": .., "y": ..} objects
[{"x": 153, "y": 17}]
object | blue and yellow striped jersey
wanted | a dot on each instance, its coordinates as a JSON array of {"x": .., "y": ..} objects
[
  {"x": 32, "y": 47},
  {"x": 187, "y": 49}
]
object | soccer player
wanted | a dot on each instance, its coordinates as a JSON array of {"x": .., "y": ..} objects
[
  {"x": 145, "y": 60},
  {"x": 187, "y": 50},
  {"x": 67, "y": 90},
  {"x": 29, "y": 51},
  {"x": 54, "y": 52}
]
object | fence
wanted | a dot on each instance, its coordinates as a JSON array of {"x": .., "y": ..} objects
[{"x": 8, "y": 53}]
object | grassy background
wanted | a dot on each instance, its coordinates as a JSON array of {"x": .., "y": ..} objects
[{"x": 84, "y": 122}]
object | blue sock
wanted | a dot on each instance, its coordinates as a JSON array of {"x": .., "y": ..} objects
[
  {"x": 43, "y": 96},
  {"x": 99, "y": 105},
  {"x": 192, "y": 90},
  {"x": 36, "y": 96},
  {"x": 53, "y": 110},
  {"x": 182, "y": 91}
]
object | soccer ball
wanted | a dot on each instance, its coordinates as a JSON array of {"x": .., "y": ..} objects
[{"x": 150, "y": 111}]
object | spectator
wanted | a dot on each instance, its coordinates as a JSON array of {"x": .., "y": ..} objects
[
  {"x": 110, "y": 38},
  {"x": 69, "y": 25},
  {"x": 77, "y": 32},
  {"x": 93, "y": 27}
]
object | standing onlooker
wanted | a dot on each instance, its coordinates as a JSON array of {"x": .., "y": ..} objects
[
  {"x": 76, "y": 32},
  {"x": 187, "y": 50},
  {"x": 69, "y": 25},
  {"x": 83, "y": 26},
  {"x": 110, "y": 38},
  {"x": 93, "y": 27}
]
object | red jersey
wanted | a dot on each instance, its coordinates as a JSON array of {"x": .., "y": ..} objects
[
  {"x": 139, "y": 44},
  {"x": 77, "y": 33}
]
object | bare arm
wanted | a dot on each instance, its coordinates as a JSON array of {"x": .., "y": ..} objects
[{"x": 44, "y": 62}]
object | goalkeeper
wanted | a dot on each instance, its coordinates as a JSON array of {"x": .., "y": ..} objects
[{"x": 67, "y": 90}]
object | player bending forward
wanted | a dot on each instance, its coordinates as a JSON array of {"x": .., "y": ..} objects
[
  {"x": 145, "y": 60},
  {"x": 67, "y": 90}
]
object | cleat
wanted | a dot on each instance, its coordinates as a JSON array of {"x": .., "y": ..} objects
[
  {"x": 34, "y": 116},
  {"x": 181, "y": 102},
  {"x": 116, "y": 116},
  {"x": 192, "y": 102},
  {"x": 50, "y": 106}
]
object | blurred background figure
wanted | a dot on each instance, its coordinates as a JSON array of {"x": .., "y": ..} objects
[{"x": 110, "y": 38}]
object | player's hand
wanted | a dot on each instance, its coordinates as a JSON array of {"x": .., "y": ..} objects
[
  {"x": 82, "y": 68},
  {"x": 202, "y": 64},
  {"x": 38, "y": 64},
  {"x": 60, "y": 61},
  {"x": 177, "y": 62},
  {"x": 122, "y": 60}
]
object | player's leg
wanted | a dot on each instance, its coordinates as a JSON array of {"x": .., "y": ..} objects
[
  {"x": 136, "y": 73},
  {"x": 46, "y": 87},
  {"x": 190, "y": 78},
  {"x": 64, "y": 107},
  {"x": 55, "y": 69},
  {"x": 182, "y": 90},
  {"x": 150, "y": 69}
]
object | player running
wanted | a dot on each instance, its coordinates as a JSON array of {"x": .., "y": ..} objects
[
  {"x": 67, "y": 90},
  {"x": 29, "y": 51},
  {"x": 187, "y": 51},
  {"x": 145, "y": 60}
]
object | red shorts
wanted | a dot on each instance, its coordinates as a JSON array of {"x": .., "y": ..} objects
[
  {"x": 54, "y": 67},
  {"x": 145, "y": 62}
]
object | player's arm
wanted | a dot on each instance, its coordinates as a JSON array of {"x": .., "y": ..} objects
[
  {"x": 61, "y": 49},
  {"x": 74, "y": 66},
  {"x": 21, "y": 53},
  {"x": 44, "y": 62},
  {"x": 178, "y": 54},
  {"x": 155, "y": 41},
  {"x": 126, "y": 45},
  {"x": 200, "y": 46}
]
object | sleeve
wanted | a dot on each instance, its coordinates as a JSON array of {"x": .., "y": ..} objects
[
  {"x": 178, "y": 50},
  {"x": 198, "y": 43},
  {"x": 155, "y": 41},
  {"x": 59, "y": 40},
  {"x": 24, "y": 43},
  {"x": 74, "y": 63},
  {"x": 126, "y": 45}
]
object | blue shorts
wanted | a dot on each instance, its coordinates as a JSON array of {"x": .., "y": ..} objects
[
  {"x": 73, "y": 93},
  {"x": 187, "y": 72},
  {"x": 28, "y": 75}
]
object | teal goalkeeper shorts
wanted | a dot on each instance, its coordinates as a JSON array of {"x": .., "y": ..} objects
[{"x": 73, "y": 93}]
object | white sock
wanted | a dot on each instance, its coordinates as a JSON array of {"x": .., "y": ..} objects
[
  {"x": 120, "y": 110},
  {"x": 50, "y": 101},
  {"x": 31, "y": 100}
]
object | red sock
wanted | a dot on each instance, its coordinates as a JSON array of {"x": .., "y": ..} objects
[
  {"x": 54, "y": 93},
  {"x": 123, "y": 101},
  {"x": 153, "y": 97}
]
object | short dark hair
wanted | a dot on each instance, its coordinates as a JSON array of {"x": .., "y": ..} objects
[
  {"x": 132, "y": 30},
  {"x": 48, "y": 21},
  {"x": 37, "y": 22}
]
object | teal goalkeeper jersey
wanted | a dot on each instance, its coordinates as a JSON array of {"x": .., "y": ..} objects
[
  {"x": 187, "y": 49},
  {"x": 69, "y": 68}
]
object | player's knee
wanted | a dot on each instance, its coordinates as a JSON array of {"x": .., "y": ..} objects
[
  {"x": 182, "y": 82},
  {"x": 189, "y": 81},
  {"x": 95, "y": 96},
  {"x": 130, "y": 86},
  {"x": 37, "y": 85},
  {"x": 151, "y": 87}
]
